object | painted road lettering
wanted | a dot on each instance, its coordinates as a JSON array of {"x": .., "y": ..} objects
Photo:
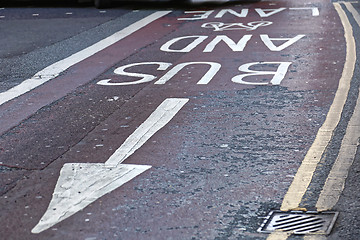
[
  {"x": 279, "y": 74},
  {"x": 263, "y": 13},
  {"x": 143, "y": 77},
  {"x": 80, "y": 184},
  {"x": 189, "y": 43},
  {"x": 235, "y": 47}
]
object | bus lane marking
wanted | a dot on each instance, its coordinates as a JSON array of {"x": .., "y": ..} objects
[
  {"x": 80, "y": 184},
  {"x": 263, "y": 13},
  {"x": 67, "y": 199},
  {"x": 308, "y": 166},
  {"x": 52, "y": 71},
  {"x": 251, "y": 26}
]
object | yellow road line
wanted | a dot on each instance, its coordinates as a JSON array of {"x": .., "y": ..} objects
[
  {"x": 304, "y": 175},
  {"x": 278, "y": 235},
  {"x": 353, "y": 11},
  {"x": 335, "y": 182},
  {"x": 305, "y": 172}
]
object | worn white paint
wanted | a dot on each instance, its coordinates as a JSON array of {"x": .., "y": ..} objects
[
  {"x": 279, "y": 74},
  {"x": 314, "y": 10},
  {"x": 244, "y": 12},
  {"x": 198, "y": 15},
  {"x": 157, "y": 120},
  {"x": 143, "y": 77},
  {"x": 193, "y": 44},
  {"x": 205, "y": 79},
  {"x": 269, "y": 42},
  {"x": 268, "y": 12},
  {"x": 196, "y": 40},
  {"x": 251, "y": 26},
  {"x": 263, "y": 13},
  {"x": 55, "y": 69},
  {"x": 80, "y": 184},
  {"x": 235, "y": 47}
]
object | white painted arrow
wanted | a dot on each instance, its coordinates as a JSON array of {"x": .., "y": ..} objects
[{"x": 80, "y": 184}]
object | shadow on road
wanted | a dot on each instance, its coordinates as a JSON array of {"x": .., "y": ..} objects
[{"x": 174, "y": 4}]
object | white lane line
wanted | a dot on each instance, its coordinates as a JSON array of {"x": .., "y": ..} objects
[
  {"x": 80, "y": 184},
  {"x": 157, "y": 120},
  {"x": 55, "y": 69}
]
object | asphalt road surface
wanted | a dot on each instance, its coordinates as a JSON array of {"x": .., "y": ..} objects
[{"x": 172, "y": 121}]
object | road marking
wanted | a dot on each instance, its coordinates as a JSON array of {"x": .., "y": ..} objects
[
  {"x": 314, "y": 10},
  {"x": 304, "y": 175},
  {"x": 335, "y": 181},
  {"x": 353, "y": 11},
  {"x": 80, "y": 184},
  {"x": 55, "y": 69},
  {"x": 277, "y": 235},
  {"x": 157, "y": 120}
]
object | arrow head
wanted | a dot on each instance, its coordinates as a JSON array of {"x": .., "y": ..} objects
[{"x": 80, "y": 184}]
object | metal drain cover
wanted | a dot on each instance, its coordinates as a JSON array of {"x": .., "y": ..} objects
[{"x": 298, "y": 222}]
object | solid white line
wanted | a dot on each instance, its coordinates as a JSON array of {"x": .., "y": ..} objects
[
  {"x": 55, "y": 69},
  {"x": 158, "y": 119}
]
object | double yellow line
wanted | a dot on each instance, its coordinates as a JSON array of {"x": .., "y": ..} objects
[{"x": 335, "y": 181}]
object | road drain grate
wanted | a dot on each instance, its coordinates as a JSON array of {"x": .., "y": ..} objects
[{"x": 298, "y": 222}]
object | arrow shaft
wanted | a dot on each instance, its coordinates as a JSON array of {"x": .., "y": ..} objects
[
  {"x": 157, "y": 120},
  {"x": 80, "y": 184}
]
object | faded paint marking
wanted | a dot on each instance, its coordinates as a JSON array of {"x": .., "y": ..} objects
[
  {"x": 80, "y": 184},
  {"x": 157, "y": 120}
]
